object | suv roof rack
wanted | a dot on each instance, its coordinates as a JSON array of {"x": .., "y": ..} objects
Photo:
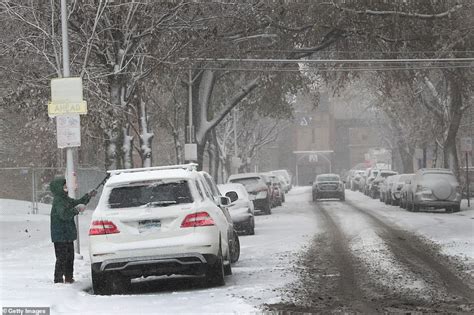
[{"x": 188, "y": 167}]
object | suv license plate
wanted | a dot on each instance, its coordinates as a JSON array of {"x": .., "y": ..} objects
[{"x": 147, "y": 225}]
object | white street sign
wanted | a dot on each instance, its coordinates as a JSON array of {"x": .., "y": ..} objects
[
  {"x": 68, "y": 129},
  {"x": 190, "y": 151},
  {"x": 236, "y": 162},
  {"x": 313, "y": 158},
  {"x": 466, "y": 144},
  {"x": 418, "y": 153}
]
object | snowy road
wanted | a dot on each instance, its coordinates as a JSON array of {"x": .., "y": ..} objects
[
  {"x": 368, "y": 261},
  {"x": 358, "y": 255},
  {"x": 27, "y": 264}
]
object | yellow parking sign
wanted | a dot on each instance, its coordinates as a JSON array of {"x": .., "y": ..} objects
[
  {"x": 55, "y": 109},
  {"x": 66, "y": 97}
]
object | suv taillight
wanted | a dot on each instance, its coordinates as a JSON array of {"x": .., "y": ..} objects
[
  {"x": 101, "y": 227},
  {"x": 197, "y": 219}
]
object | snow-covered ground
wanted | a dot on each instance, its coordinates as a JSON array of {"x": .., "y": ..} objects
[
  {"x": 453, "y": 232},
  {"x": 27, "y": 258},
  {"x": 27, "y": 265}
]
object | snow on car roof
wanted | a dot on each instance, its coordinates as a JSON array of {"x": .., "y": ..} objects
[
  {"x": 244, "y": 175},
  {"x": 231, "y": 187},
  {"x": 149, "y": 175},
  {"x": 435, "y": 170}
]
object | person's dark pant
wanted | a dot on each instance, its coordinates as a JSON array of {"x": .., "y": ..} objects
[{"x": 64, "y": 261}]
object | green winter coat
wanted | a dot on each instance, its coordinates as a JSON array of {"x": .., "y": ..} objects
[{"x": 63, "y": 228}]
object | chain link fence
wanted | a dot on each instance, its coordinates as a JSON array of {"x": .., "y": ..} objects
[{"x": 32, "y": 183}]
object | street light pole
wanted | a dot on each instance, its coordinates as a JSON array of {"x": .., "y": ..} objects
[
  {"x": 190, "y": 105},
  {"x": 69, "y": 151}
]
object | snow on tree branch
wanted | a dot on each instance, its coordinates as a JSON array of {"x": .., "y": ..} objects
[{"x": 402, "y": 14}]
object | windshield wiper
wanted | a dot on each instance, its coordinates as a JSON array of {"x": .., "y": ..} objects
[{"x": 161, "y": 203}]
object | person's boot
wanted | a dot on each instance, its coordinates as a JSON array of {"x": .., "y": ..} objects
[
  {"x": 69, "y": 280},
  {"x": 58, "y": 280}
]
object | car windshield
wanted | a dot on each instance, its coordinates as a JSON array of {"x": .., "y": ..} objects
[
  {"x": 327, "y": 179},
  {"x": 404, "y": 178},
  {"x": 151, "y": 194},
  {"x": 433, "y": 177},
  {"x": 247, "y": 181}
]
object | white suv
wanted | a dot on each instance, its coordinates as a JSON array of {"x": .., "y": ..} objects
[{"x": 157, "y": 221}]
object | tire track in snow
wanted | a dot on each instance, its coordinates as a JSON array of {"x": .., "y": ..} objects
[
  {"x": 420, "y": 257},
  {"x": 402, "y": 272}
]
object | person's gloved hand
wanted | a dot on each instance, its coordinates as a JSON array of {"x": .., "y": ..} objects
[
  {"x": 92, "y": 193},
  {"x": 81, "y": 208}
]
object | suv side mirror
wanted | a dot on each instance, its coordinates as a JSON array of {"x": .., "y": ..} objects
[
  {"x": 232, "y": 195},
  {"x": 224, "y": 201}
]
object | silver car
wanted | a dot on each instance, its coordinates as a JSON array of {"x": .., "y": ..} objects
[{"x": 434, "y": 188}]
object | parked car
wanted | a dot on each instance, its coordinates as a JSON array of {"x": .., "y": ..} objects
[
  {"x": 158, "y": 221},
  {"x": 406, "y": 187},
  {"x": 257, "y": 188},
  {"x": 374, "y": 186},
  {"x": 212, "y": 189},
  {"x": 356, "y": 181},
  {"x": 386, "y": 187},
  {"x": 394, "y": 195},
  {"x": 363, "y": 181},
  {"x": 286, "y": 175},
  {"x": 271, "y": 189},
  {"x": 328, "y": 186},
  {"x": 278, "y": 194},
  {"x": 241, "y": 208},
  {"x": 434, "y": 188},
  {"x": 371, "y": 174},
  {"x": 282, "y": 186}
]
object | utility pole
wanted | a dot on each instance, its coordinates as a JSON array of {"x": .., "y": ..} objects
[
  {"x": 236, "y": 152},
  {"x": 190, "y": 105},
  {"x": 71, "y": 183},
  {"x": 190, "y": 148}
]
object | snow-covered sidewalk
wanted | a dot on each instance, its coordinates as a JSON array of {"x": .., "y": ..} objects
[{"x": 27, "y": 264}]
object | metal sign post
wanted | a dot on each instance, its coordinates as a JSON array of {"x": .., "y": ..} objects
[
  {"x": 466, "y": 147},
  {"x": 467, "y": 182},
  {"x": 66, "y": 105}
]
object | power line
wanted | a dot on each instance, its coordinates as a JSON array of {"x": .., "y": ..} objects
[
  {"x": 326, "y": 69},
  {"x": 364, "y": 52},
  {"x": 406, "y": 60}
]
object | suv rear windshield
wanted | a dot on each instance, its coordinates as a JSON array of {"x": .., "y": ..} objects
[
  {"x": 246, "y": 181},
  {"x": 429, "y": 177},
  {"x": 327, "y": 179},
  {"x": 387, "y": 174},
  {"x": 152, "y": 194}
]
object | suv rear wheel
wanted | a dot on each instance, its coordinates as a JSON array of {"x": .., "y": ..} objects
[
  {"x": 110, "y": 283},
  {"x": 98, "y": 282},
  {"x": 215, "y": 272}
]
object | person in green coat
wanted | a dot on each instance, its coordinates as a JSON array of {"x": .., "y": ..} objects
[{"x": 63, "y": 228}]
